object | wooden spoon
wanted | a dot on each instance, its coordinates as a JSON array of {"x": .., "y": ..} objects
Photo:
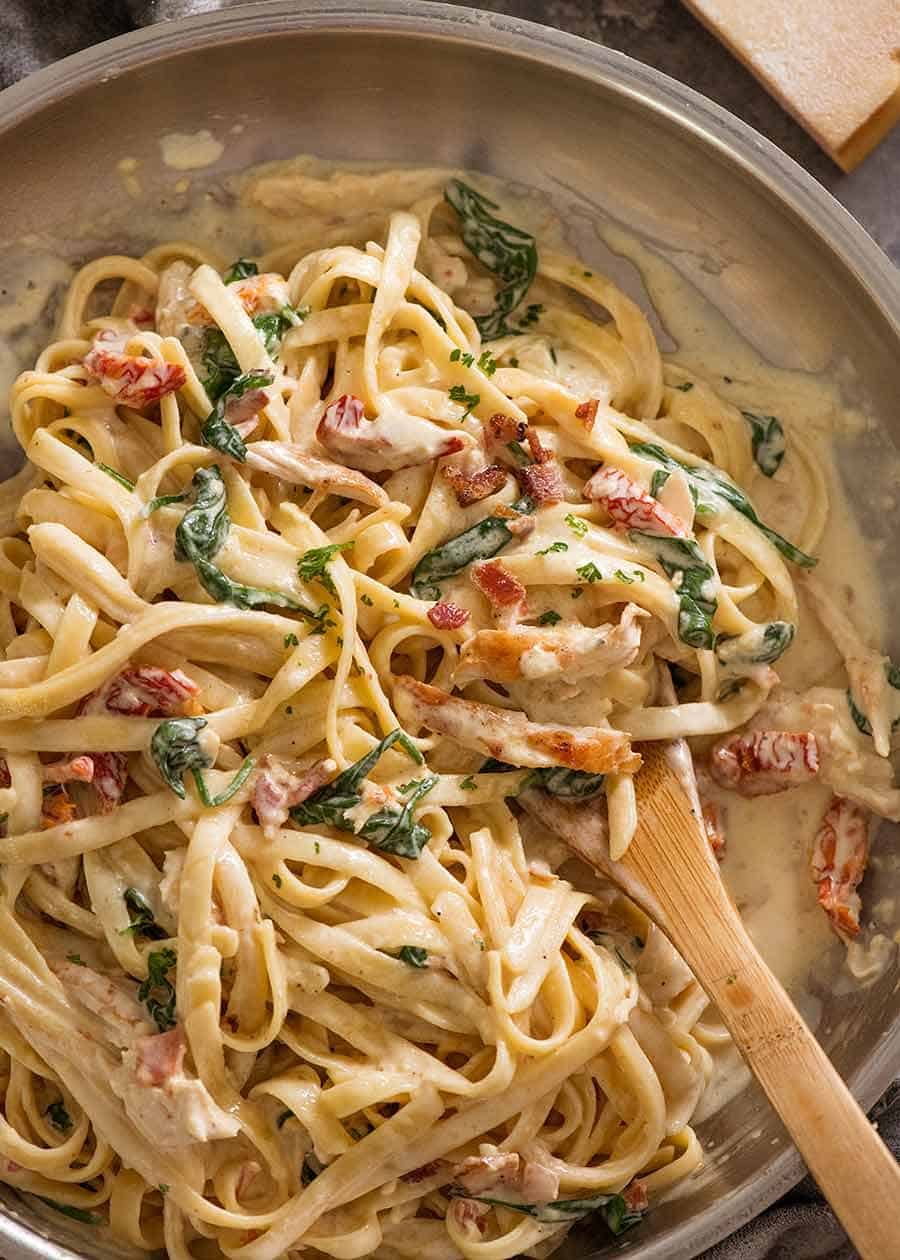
[{"x": 669, "y": 871}]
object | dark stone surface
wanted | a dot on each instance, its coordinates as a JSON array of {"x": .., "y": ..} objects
[{"x": 659, "y": 32}]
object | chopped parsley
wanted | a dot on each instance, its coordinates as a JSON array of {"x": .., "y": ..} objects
[
  {"x": 468, "y": 784},
  {"x": 369, "y": 603},
  {"x": 458, "y": 356},
  {"x": 685, "y": 387},
  {"x": 277, "y": 880},
  {"x": 623, "y": 576},
  {"x": 578, "y": 526},
  {"x": 487, "y": 363},
  {"x": 549, "y": 618},
  {"x": 141, "y": 915},
  {"x": 532, "y": 315},
  {"x": 291, "y": 640},
  {"x": 556, "y": 546},
  {"x": 76, "y": 959},
  {"x": 313, "y": 564},
  {"x": 589, "y": 572},
  {"x": 459, "y": 394}
]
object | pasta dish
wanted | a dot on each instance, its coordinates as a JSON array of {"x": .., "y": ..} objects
[{"x": 339, "y": 591}]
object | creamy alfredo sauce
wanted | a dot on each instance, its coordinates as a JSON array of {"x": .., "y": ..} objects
[{"x": 766, "y": 866}]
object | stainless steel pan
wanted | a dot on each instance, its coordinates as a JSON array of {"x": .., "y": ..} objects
[{"x": 414, "y": 83}]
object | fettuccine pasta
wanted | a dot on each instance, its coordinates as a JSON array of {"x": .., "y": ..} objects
[{"x": 333, "y": 592}]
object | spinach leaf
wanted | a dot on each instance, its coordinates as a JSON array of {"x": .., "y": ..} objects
[
  {"x": 273, "y": 326},
  {"x": 240, "y": 270},
  {"x": 163, "y": 500},
  {"x": 157, "y": 992},
  {"x": 615, "y": 1210},
  {"x": 204, "y": 527},
  {"x": 506, "y": 251},
  {"x": 74, "y": 1213},
  {"x": 201, "y": 534},
  {"x": 479, "y": 542},
  {"x": 218, "y": 359},
  {"x": 760, "y": 646},
  {"x": 141, "y": 914},
  {"x": 313, "y": 564},
  {"x": 767, "y": 441},
  {"x": 392, "y": 828},
  {"x": 175, "y": 748},
  {"x": 556, "y": 780},
  {"x": 216, "y": 431},
  {"x": 713, "y": 490},
  {"x": 412, "y": 955},
  {"x": 222, "y": 368},
  {"x": 576, "y": 785},
  {"x": 224, "y": 590},
  {"x": 58, "y": 1116},
  {"x": 123, "y": 481},
  {"x": 695, "y": 584}
]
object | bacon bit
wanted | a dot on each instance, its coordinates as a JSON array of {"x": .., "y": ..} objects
[
  {"x": 635, "y": 1196},
  {"x": 473, "y": 487},
  {"x": 501, "y": 429},
  {"x": 424, "y": 1173},
  {"x": 145, "y": 691},
  {"x": 57, "y": 808},
  {"x": 542, "y": 481},
  {"x": 277, "y": 788},
  {"x": 839, "y": 857},
  {"x": 761, "y": 763},
  {"x": 134, "y": 380},
  {"x": 110, "y": 777},
  {"x": 587, "y": 411},
  {"x": 630, "y": 506},
  {"x": 160, "y": 1057},
  {"x": 447, "y": 616},
  {"x": 78, "y": 770},
  {"x": 502, "y": 589},
  {"x": 539, "y": 453},
  {"x": 714, "y": 826}
]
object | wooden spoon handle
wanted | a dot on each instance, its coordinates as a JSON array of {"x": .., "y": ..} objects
[{"x": 855, "y": 1170}]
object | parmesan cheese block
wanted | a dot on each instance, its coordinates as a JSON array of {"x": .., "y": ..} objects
[{"x": 834, "y": 66}]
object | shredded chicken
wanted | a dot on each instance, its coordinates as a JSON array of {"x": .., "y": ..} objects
[
  {"x": 509, "y": 736},
  {"x": 172, "y": 1110},
  {"x": 289, "y": 462},
  {"x": 527, "y": 652},
  {"x": 123, "y": 1018}
]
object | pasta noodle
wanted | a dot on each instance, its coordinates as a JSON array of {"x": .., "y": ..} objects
[{"x": 328, "y": 592}]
